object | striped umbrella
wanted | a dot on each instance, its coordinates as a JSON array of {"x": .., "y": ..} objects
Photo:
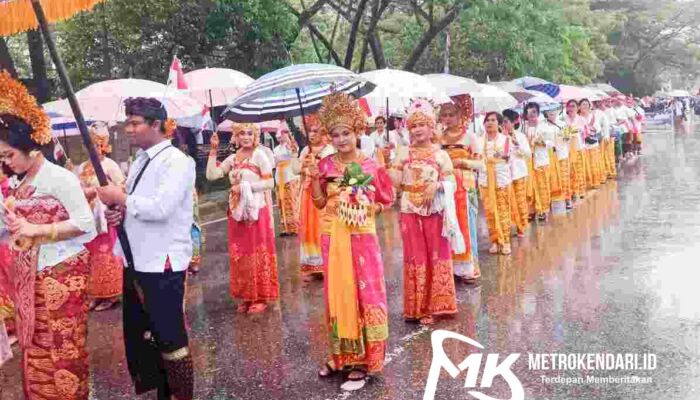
[
  {"x": 293, "y": 91},
  {"x": 539, "y": 84}
]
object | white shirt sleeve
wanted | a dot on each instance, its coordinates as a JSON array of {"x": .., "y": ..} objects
[{"x": 70, "y": 194}]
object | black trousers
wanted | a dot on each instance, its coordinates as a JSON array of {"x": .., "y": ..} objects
[{"x": 154, "y": 324}]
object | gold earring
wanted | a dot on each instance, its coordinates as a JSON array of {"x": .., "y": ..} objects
[{"x": 34, "y": 153}]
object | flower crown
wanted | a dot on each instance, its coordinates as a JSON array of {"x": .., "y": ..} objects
[
  {"x": 421, "y": 110},
  {"x": 17, "y": 101}
]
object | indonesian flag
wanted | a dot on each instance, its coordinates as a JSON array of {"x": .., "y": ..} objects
[
  {"x": 176, "y": 77},
  {"x": 58, "y": 152},
  {"x": 362, "y": 102},
  {"x": 206, "y": 119}
]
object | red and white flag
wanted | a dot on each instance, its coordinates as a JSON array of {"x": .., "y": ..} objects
[
  {"x": 176, "y": 77},
  {"x": 207, "y": 122}
]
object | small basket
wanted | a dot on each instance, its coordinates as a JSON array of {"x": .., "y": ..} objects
[{"x": 354, "y": 214}]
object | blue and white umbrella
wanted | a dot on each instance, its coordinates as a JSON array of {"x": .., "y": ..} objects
[
  {"x": 539, "y": 84},
  {"x": 293, "y": 91},
  {"x": 64, "y": 126}
]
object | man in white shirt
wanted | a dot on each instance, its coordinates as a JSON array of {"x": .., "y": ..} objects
[
  {"x": 156, "y": 211},
  {"x": 369, "y": 143}
]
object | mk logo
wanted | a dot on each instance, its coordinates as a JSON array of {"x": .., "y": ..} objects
[{"x": 472, "y": 364}]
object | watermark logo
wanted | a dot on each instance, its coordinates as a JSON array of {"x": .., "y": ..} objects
[{"x": 473, "y": 365}]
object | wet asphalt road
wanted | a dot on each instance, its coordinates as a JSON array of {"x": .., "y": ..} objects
[{"x": 619, "y": 274}]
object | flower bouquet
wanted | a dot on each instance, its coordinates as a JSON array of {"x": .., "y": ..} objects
[
  {"x": 354, "y": 205},
  {"x": 569, "y": 132}
]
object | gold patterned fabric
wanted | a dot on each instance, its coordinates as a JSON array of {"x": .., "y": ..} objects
[
  {"x": 56, "y": 361},
  {"x": 502, "y": 235},
  {"x": 521, "y": 205}
]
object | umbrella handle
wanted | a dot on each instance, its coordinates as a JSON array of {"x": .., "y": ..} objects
[
  {"x": 79, "y": 119},
  {"x": 303, "y": 118}
]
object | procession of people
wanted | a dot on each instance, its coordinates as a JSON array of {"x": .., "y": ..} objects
[{"x": 63, "y": 259}]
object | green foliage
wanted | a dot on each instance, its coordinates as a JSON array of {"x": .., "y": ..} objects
[
  {"x": 122, "y": 38},
  {"x": 511, "y": 38}
]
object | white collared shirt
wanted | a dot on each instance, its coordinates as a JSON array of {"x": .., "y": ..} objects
[
  {"x": 520, "y": 155},
  {"x": 159, "y": 214},
  {"x": 58, "y": 182}
]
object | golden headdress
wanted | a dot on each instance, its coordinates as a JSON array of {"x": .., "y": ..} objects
[
  {"x": 16, "y": 100},
  {"x": 170, "y": 126},
  {"x": 99, "y": 134},
  {"x": 421, "y": 111},
  {"x": 340, "y": 109}
]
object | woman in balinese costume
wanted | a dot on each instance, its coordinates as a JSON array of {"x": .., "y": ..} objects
[
  {"x": 591, "y": 129},
  {"x": 106, "y": 269},
  {"x": 637, "y": 122},
  {"x": 576, "y": 125},
  {"x": 286, "y": 155},
  {"x": 354, "y": 289},
  {"x": 607, "y": 144},
  {"x": 196, "y": 231},
  {"x": 562, "y": 149},
  {"x": 539, "y": 136},
  {"x": 425, "y": 175},
  {"x": 310, "y": 216},
  {"x": 521, "y": 154},
  {"x": 495, "y": 183},
  {"x": 49, "y": 221},
  {"x": 459, "y": 146},
  {"x": 251, "y": 235}
]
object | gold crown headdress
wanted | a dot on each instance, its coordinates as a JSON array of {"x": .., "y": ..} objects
[
  {"x": 340, "y": 109},
  {"x": 17, "y": 101},
  {"x": 170, "y": 126}
]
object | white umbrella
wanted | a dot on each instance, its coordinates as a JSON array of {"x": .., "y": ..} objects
[
  {"x": 679, "y": 93},
  {"x": 216, "y": 86},
  {"x": 104, "y": 101},
  {"x": 398, "y": 88},
  {"x": 508, "y": 86},
  {"x": 491, "y": 98},
  {"x": 453, "y": 85}
]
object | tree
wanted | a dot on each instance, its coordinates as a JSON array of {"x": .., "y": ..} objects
[
  {"x": 253, "y": 36},
  {"x": 39, "y": 73},
  {"x": 511, "y": 38},
  {"x": 6, "y": 62},
  {"x": 435, "y": 25},
  {"x": 654, "y": 42}
]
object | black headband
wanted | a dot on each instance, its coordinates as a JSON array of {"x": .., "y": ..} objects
[{"x": 146, "y": 107}]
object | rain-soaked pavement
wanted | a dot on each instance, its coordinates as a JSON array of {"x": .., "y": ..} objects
[{"x": 617, "y": 275}]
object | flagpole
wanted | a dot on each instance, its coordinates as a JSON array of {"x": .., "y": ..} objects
[
  {"x": 211, "y": 112},
  {"x": 78, "y": 113},
  {"x": 448, "y": 43}
]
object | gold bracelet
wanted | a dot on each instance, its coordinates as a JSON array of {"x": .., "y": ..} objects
[
  {"x": 317, "y": 198},
  {"x": 54, "y": 232}
]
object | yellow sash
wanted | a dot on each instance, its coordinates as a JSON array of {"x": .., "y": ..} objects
[
  {"x": 491, "y": 200},
  {"x": 555, "y": 177},
  {"x": 281, "y": 189},
  {"x": 342, "y": 288}
]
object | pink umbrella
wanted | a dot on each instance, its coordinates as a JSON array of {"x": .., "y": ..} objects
[
  {"x": 568, "y": 92},
  {"x": 216, "y": 86},
  {"x": 104, "y": 101}
]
